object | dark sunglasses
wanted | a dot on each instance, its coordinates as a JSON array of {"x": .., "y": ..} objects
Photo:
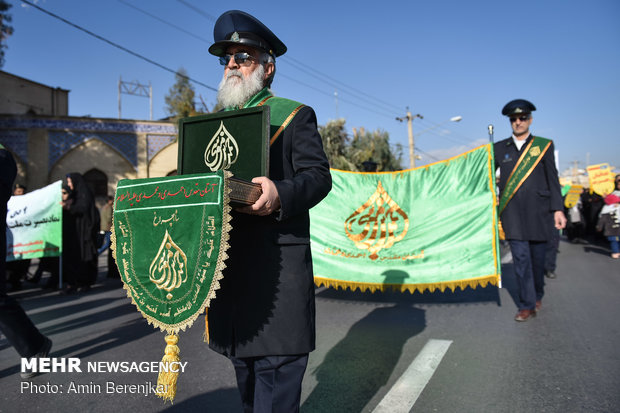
[
  {"x": 522, "y": 118},
  {"x": 240, "y": 58}
]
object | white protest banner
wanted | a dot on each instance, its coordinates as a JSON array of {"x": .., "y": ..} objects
[{"x": 34, "y": 224}]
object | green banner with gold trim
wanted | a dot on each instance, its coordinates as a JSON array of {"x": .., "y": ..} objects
[
  {"x": 170, "y": 237},
  {"x": 433, "y": 227}
]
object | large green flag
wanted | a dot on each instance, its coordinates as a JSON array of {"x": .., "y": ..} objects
[{"x": 425, "y": 228}]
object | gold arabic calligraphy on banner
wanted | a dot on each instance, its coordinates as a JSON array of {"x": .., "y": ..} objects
[{"x": 377, "y": 224}]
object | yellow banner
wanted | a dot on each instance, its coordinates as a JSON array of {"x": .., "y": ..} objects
[
  {"x": 601, "y": 179},
  {"x": 573, "y": 196}
]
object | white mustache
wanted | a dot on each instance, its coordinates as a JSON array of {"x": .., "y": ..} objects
[{"x": 234, "y": 72}]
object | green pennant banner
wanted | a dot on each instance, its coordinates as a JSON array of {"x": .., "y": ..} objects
[
  {"x": 425, "y": 228},
  {"x": 170, "y": 238}
]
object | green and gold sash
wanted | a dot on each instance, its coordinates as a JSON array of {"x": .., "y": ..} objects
[
  {"x": 170, "y": 237},
  {"x": 282, "y": 111},
  {"x": 531, "y": 156}
]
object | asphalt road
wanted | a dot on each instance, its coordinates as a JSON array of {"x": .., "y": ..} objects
[{"x": 439, "y": 352}]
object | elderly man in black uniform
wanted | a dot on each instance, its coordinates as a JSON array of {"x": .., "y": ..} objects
[
  {"x": 530, "y": 200},
  {"x": 263, "y": 316}
]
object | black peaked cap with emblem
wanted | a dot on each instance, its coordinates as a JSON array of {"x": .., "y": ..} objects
[
  {"x": 236, "y": 27},
  {"x": 517, "y": 107}
]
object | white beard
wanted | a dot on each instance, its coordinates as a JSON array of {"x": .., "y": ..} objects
[{"x": 235, "y": 89}]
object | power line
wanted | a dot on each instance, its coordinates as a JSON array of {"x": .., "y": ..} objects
[
  {"x": 462, "y": 139},
  {"x": 182, "y": 30},
  {"x": 202, "y": 39},
  {"x": 373, "y": 110},
  {"x": 117, "y": 45},
  {"x": 427, "y": 154},
  {"x": 337, "y": 84},
  {"x": 197, "y": 10},
  {"x": 305, "y": 68},
  {"x": 318, "y": 75},
  {"x": 295, "y": 63}
]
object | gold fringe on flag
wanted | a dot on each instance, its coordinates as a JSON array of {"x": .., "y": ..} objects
[
  {"x": 206, "y": 336},
  {"x": 483, "y": 281},
  {"x": 167, "y": 380},
  {"x": 502, "y": 235}
]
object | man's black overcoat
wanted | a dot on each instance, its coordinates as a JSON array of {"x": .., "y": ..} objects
[
  {"x": 528, "y": 216},
  {"x": 265, "y": 305}
]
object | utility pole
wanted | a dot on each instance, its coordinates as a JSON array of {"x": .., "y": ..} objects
[
  {"x": 136, "y": 89},
  {"x": 410, "y": 119}
]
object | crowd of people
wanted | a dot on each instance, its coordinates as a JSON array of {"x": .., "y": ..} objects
[
  {"x": 609, "y": 219},
  {"x": 269, "y": 270},
  {"x": 594, "y": 218},
  {"x": 86, "y": 234}
]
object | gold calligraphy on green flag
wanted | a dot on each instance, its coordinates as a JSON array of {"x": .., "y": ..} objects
[{"x": 427, "y": 228}]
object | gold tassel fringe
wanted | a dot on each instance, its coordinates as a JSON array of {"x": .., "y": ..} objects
[
  {"x": 167, "y": 380},
  {"x": 411, "y": 288},
  {"x": 502, "y": 235},
  {"x": 206, "y": 336}
]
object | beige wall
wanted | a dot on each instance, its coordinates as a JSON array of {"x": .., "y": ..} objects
[
  {"x": 94, "y": 154},
  {"x": 165, "y": 161},
  {"x": 21, "y": 96}
]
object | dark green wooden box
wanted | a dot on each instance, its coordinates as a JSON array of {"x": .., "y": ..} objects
[{"x": 236, "y": 140}]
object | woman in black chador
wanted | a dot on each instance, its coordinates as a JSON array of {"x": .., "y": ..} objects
[{"x": 81, "y": 252}]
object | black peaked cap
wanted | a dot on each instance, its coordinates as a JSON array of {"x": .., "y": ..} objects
[
  {"x": 236, "y": 27},
  {"x": 518, "y": 106}
]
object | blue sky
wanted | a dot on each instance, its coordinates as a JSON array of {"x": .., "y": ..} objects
[{"x": 440, "y": 58}]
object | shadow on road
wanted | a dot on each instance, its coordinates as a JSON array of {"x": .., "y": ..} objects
[
  {"x": 358, "y": 366},
  {"x": 123, "y": 334},
  {"x": 75, "y": 308},
  {"x": 223, "y": 400},
  {"x": 596, "y": 250},
  {"x": 122, "y": 309}
]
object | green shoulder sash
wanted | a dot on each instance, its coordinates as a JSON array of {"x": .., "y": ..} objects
[
  {"x": 531, "y": 156},
  {"x": 282, "y": 111}
]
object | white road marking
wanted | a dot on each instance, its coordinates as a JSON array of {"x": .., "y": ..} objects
[{"x": 404, "y": 393}]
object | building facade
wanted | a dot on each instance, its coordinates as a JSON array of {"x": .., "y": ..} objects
[
  {"x": 22, "y": 96},
  {"x": 48, "y": 144}
]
